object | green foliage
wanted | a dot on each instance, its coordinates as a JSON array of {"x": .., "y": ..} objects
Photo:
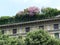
[
  {"x": 49, "y": 12},
  {"x": 11, "y": 41},
  {"x": 40, "y": 38},
  {"x": 24, "y": 16},
  {"x": 33, "y": 38},
  {"x": 54, "y": 42},
  {"x": 7, "y": 40}
]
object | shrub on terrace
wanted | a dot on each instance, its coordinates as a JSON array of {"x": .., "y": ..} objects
[{"x": 30, "y": 14}]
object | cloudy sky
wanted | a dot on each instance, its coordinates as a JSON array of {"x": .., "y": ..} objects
[{"x": 11, "y": 7}]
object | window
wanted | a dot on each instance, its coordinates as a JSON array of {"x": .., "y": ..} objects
[
  {"x": 56, "y": 26},
  {"x": 48, "y": 27},
  {"x": 27, "y": 29},
  {"x": 2, "y": 31},
  {"x": 57, "y": 35},
  {"x": 41, "y": 27},
  {"x": 14, "y": 31}
]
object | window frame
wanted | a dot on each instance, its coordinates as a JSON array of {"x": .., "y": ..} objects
[
  {"x": 56, "y": 35},
  {"x": 41, "y": 26},
  {"x": 27, "y": 29},
  {"x": 56, "y": 26},
  {"x": 2, "y": 31},
  {"x": 14, "y": 32}
]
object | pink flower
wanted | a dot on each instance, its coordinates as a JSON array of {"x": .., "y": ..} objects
[
  {"x": 33, "y": 10},
  {"x": 31, "y": 13}
]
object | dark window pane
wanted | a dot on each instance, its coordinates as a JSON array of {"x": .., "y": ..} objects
[
  {"x": 57, "y": 35},
  {"x": 41, "y": 27},
  {"x": 14, "y": 31},
  {"x": 27, "y": 29},
  {"x": 56, "y": 26},
  {"x": 2, "y": 31}
]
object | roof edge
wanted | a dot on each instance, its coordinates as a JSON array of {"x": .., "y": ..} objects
[{"x": 30, "y": 22}]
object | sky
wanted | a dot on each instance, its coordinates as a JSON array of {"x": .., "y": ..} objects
[{"x": 11, "y": 7}]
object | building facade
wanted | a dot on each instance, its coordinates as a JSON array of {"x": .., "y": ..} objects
[{"x": 16, "y": 29}]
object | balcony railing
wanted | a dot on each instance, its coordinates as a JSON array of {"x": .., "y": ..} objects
[
  {"x": 24, "y": 34},
  {"x": 19, "y": 34},
  {"x": 56, "y": 30}
]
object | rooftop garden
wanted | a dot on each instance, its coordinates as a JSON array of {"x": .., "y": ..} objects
[{"x": 30, "y": 14}]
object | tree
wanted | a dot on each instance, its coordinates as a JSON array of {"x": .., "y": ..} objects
[
  {"x": 37, "y": 38},
  {"x": 49, "y": 12},
  {"x": 33, "y": 10},
  {"x": 4, "y": 19},
  {"x": 40, "y": 38},
  {"x": 7, "y": 40}
]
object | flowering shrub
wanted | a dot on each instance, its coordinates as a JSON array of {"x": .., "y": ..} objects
[
  {"x": 33, "y": 10},
  {"x": 30, "y": 11}
]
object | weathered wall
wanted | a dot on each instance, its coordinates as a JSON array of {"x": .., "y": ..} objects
[{"x": 48, "y": 25}]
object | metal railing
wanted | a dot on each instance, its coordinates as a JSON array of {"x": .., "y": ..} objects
[
  {"x": 19, "y": 34},
  {"x": 54, "y": 30}
]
